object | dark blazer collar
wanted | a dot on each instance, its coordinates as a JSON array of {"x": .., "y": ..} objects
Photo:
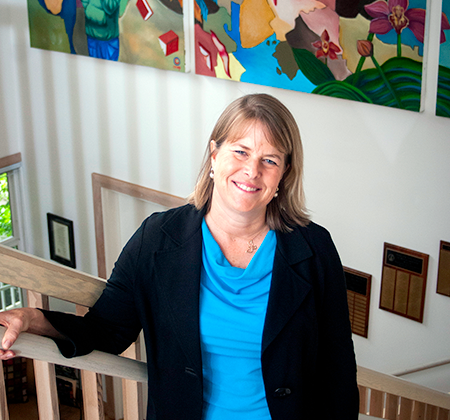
[
  {"x": 293, "y": 246},
  {"x": 177, "y": 272},
  {"x": 289, "y": 288},
  {"x": 183, "y": 223}
]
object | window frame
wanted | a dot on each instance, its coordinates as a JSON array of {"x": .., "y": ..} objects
[{"x": 11, "y": 166}]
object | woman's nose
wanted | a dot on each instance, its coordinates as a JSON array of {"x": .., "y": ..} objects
[{"x": 251, "y": 168}]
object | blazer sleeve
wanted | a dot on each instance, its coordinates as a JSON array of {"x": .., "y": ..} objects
[
  {"x": 336, "y": 357},
  {"x": 112, "y": 324}
]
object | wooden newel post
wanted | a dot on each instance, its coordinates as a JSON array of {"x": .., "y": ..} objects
[
  {"x": 46, "y": 391},
  {"x": 92, "y": 388}
]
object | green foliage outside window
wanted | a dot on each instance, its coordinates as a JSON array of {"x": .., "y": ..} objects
[{"x": 5, "y": 209}]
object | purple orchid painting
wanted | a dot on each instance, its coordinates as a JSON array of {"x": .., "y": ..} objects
[{"x": 364, "y": 50}]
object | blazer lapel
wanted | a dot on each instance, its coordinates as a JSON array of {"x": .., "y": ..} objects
[
  {"x": 288, "y": 289},
  {"x": 178, "y": 271}
]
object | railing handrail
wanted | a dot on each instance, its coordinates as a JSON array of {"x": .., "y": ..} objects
[
  {"x": 42, "y": 348},
  {"x": 402, "y": 388},
  {"x": 29, "y": 272},
  {"x": 422, "y": 368}
]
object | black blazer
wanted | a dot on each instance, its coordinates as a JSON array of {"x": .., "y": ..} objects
[{"x": 308, "y": 361}]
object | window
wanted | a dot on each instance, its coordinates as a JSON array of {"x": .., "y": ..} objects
[
  {"x": 10, "y": 226},
  {"x": 6, "y": 230}
]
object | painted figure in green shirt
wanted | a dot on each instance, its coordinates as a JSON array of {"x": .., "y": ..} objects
[{"x": 102, "y": 28}]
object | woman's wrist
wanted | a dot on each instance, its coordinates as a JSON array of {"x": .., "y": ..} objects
[{"x": 40, "y": 325}]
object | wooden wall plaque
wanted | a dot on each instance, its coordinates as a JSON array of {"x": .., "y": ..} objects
[
  {"x": 403, "y": 282},
  {"x": 358, "y": 297},
  {"x": 443, "y": 281}
]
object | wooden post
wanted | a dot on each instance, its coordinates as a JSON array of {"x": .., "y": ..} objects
[
  {"x": 431, "y": 412},
  {"x": 92, "y": 395},
  {"x": 391, "y": 410},
  {"x": 362, "y": 399},
  {"x": 376, "y": 403},
  {"x": 4, "y": 414},
  {"x": 406, "y": 409},
  {"x": 132, "y": 391},
  {"x": 46, "y": 392},
  {"x": 92, "y": 388},
  {"x": 443, "y": 414},
  {"x": 418, "y": 412}
]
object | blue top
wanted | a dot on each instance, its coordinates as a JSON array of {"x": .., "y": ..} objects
[{"x": 233, "y": 304}]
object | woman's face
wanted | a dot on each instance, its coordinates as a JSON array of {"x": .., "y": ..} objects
[{"x": 247, "y": 172}]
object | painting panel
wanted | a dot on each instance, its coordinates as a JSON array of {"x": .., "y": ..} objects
[
  {"x": 363, "y": 50},
  {"x": 443, "y": 90},
  {"x": 144, "y": 32}
]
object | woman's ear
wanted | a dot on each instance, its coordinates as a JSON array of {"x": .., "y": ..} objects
[
  {"x": 213, "y": 149},
  {"x": 286, "y": 168}
]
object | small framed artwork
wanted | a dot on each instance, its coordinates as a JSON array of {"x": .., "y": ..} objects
[
  {"x": 443, "y": 282},
  {"x": 358, "y": 297},
  {"x": 404, "y": 282},
  {"x": 61, "y": 240}
]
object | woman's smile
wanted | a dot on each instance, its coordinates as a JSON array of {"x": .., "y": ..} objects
[{"x": 245, "y": 187}]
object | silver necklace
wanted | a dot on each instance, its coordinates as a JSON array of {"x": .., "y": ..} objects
[{"x": 251, "y": 246}]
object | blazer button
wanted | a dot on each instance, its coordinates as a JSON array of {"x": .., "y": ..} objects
[{"x": 281, "y": 392}]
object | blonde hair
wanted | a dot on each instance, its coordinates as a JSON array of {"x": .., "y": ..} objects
[{"x": 281, "y": 130}]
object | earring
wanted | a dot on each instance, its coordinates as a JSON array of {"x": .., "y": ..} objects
[
  {"x": 276, "y": 193},
  {"x": 211, "y": 174}
]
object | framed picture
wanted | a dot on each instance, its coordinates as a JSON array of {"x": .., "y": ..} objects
[{"x": 61, "y": 240}]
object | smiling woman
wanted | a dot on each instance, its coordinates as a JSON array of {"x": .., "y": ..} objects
[{"x": 241, "y": 299}]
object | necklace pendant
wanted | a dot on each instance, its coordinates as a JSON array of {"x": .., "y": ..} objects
[{"x": 251, "y": 247}]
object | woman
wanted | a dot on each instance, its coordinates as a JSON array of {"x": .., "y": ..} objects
[{"x": 242, "y": 300}]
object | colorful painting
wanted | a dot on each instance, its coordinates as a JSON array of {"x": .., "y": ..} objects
[
  {"x": 363, "y": 50},
  {"x": 443, "y": 91},
  {"x": 145, "y": 32}
]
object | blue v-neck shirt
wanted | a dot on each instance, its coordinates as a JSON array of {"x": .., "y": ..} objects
[{"x": 233, "y": 304}]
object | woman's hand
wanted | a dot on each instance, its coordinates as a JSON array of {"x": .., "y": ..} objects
[{"x": 17, "y": 321}]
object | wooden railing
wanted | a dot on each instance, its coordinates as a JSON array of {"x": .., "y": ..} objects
[
  {"x": 388, "y": 397},
  {"x": 382, "y": 396}
]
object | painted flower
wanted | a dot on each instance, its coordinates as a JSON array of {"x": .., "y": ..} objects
[
  {"x": 365, "y": 48},
  {"x": 394, "y": 14},
  {"x": 326, "y": 48}
]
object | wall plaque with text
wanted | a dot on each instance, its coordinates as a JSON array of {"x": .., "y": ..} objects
[
  {"x": 403, "y": 282},
  {"x": 443, "y": 282},
  {"x": 358, "y": 297}
]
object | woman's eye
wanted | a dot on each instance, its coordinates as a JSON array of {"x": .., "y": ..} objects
[
  {"x": 270, "y": 162},
  {"x": 240, "y": 152}
]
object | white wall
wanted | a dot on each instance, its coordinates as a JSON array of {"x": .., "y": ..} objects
[{"x": 373, "y": 174}]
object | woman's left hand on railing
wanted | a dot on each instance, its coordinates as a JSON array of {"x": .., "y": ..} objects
[{"x": 20, "y": 320}]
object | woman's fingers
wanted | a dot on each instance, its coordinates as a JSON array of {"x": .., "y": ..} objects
[
  {"x": 15, "y": 322},
  {"x": 5, "y": 355},
  {"x": 12, "y": 332}
]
